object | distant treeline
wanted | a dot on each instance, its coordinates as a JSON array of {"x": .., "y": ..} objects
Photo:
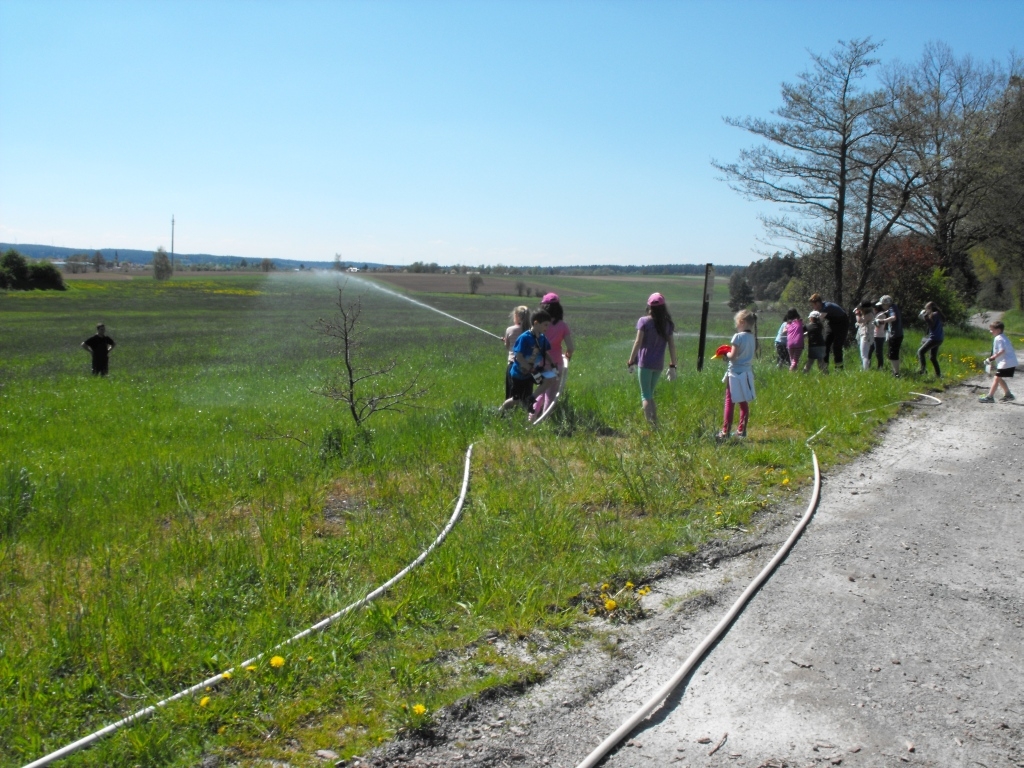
[{"x": 205, "y": 261}]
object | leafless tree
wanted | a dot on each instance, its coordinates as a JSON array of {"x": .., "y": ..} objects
[
  {"x": 363, "y": 388},
  {"x": 475, "y": 281},
  {"x": 886, "y": 179},
  {"x": 811, "y": 155}
]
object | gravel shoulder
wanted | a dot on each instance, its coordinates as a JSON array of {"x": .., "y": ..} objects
[{"x": 893, "y": 634}]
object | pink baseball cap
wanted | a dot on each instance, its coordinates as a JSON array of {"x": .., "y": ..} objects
[
  {"x": 656, "y": 300},
  {"x": 549, "y": 297}
]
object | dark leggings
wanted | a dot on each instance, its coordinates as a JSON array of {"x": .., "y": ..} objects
[
  {"x": 929, "y": 345},
  {"x": 835, "y": 340},
  {"x": 880, "y": 350}
]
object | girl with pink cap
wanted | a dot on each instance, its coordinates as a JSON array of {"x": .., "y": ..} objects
[
  {"x": 556, "y": 334},
  {"x": 653, "y": 334}
]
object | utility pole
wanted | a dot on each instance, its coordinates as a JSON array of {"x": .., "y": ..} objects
[{"x": 172, "y": 242}]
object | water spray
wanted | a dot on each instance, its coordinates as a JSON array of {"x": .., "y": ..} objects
[{"x": 398, "y": 295}]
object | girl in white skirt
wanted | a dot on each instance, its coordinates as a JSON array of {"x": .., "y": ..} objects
[{"x": 739, "y": 378}]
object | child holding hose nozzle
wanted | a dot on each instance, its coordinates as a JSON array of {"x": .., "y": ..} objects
[
  {"x": 531, "y": 352},
  {"x": 653, "y": 334},
  {"x": 739, "y": 378}
]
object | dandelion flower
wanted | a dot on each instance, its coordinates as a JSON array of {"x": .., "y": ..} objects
[
  {"x": 204, "y": 701},
  {"x": 610, "y": 605},
  {"x": 309, "y": 658},
  {"x": 629, "y": 585},
  {"x": 419, "y": 709},
  {"x": 277, "y": 662},
  {"x": 727, "y": 478},
  {"x": 786, "y": 481},
  {"x": 605, "y": 586},
  {"x": 222, "y": 730},
  {"x": 226, "y": 675},
  {"x": 251, "y": 668}
]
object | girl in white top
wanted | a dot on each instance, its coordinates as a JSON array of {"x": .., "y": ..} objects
[
  {"x": 521, "y": 318},
  {"x": 866, "y": 331},
  {"x": 739, "y": 378}
]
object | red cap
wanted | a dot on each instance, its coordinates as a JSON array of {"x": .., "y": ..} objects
[{"x": 656, "y": 300}]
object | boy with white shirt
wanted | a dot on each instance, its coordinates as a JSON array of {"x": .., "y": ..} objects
[{"x": 1005, "y": 358}]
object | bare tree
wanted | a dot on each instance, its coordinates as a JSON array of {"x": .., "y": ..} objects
[
  {"x": 361, "y": 387},
  {"x": 475, "y": 281},
  {"x": 811, "y": 156},
  {"x": 886, "y": 179}
]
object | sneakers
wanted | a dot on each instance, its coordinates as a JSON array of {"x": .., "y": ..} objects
[
  {"x": 1007, "y": 398},
  {"x": 742, "y": 433},
  {"x": 986, "y": 399},
  {"x": 722, "y": 435}
]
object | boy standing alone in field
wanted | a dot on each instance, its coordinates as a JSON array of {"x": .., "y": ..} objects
[{"x": 99, "y": 345}]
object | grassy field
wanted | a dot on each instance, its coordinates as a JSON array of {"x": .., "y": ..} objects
[{"x": 203, "y": 502}]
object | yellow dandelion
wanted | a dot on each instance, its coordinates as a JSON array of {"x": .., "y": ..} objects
[
  {"x": 226, "y": 675},
  {"x": 629, "y": 585},
  {"x": 610, "y": 605},
  {"x": 605, "y": 586},
  {"x": 786, "y": 481},
  {"x": 718, "y": 512},
  {"x": 222, "y": 730},
  {"x": 419, "y": 709},
  {"x": 592, "y": 612},
  {"x": 277, "y": 662},
  {"x": 251, "y": 668},
  {"x": 204, "y": 701},
  {"x": 309, "y": 658},
  {"x": 727, "y": 478}
]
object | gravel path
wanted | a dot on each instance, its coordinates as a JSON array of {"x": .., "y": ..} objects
[{"x": 892, "y": 635}]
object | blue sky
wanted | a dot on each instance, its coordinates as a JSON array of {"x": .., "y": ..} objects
[{"x": 545, "y": 133}]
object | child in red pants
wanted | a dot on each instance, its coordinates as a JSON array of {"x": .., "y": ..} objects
[{"x": 739, "y": 378}]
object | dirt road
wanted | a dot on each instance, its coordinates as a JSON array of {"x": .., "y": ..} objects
[{"x": 892, "y": 635}]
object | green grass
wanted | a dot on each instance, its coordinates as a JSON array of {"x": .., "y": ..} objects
[{"x": 189, "y": 510}]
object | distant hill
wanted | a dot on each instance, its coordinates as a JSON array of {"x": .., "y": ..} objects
[{"x": 57, "y": 253}]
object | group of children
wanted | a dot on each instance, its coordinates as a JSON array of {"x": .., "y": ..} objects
[
  {"x": 536, "y": 356},
  {"x": 877, "y": 324}
]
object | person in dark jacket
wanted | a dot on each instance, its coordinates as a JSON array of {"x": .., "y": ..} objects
[
  {"x": 99, "y": 345},
  {"x": 933, "y": 337},
  {"x": 837, "y": 327}
]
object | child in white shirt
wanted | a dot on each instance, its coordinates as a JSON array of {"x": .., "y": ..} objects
[{"x": 1005, "y": 358}]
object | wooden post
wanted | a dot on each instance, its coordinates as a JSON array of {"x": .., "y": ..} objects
[{"x": 709, "y": 288}]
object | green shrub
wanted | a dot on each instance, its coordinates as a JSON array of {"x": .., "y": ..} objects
[{"x": 45, "y": 277}]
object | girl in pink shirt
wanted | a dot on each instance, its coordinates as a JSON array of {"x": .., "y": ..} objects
[
  {"x": 557, "y": 335},
  {"x": 794, "y": 338}
]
